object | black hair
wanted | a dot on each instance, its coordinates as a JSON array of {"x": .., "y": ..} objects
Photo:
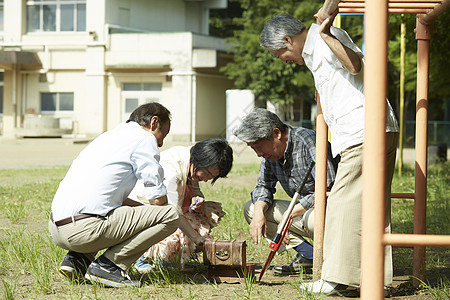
[
  {"x": 211, "y": 153},
  {"x": 144, "y": 113}
]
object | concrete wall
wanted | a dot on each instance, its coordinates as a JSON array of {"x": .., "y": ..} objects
[
  {"x": 211, "y": 106},
  {"x": 94, "y": 65}
]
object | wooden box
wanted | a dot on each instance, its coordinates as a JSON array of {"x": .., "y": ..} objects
[{"x": 227, "y": 261}]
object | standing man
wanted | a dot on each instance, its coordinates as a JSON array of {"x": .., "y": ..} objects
[
  {"x": 90, "y": 210},
  {"x": 337, "y": 66},
  {"x": 286, "y": 155}
]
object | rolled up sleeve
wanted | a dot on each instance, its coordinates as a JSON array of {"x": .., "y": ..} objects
[
  {"x": 265, "y": 185},
  {"x": 148, "y": 169}
]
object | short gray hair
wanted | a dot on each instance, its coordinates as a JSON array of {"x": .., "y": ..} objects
[
  {"x": 258, "y": 125},
  {"x": 277, "y": 28}
]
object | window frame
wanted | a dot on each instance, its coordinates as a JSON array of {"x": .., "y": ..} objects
[
  {"x": 57, "y": 104},
  {"x": 58, "y": 3}
]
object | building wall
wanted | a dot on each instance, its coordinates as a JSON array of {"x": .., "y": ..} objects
[
  {"x": 211, "y": 106},
  {"x": 95, "y": 64},
  {"x": 179, "y": 15}
]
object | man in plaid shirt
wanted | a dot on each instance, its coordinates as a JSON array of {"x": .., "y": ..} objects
[{"x": 286, "y": 153}]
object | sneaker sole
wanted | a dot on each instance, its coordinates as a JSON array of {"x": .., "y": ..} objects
[
  {"x": 93, "y": 278},
  {"x": 67, "y": 272},
  {"x": 281, "y": 273},
  {"x": 305, "y": 269},
  {"x": 70, "y": 273}
]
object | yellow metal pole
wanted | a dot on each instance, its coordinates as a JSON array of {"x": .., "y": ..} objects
[
  {"x": 402, "y": 93},
  {"x": 374, "y": 154}
]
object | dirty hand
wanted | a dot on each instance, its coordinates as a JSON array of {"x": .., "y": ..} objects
[
  {"x": 199, "y": 244},
  {"x": 196, "y": 204},
  {"x": 258, "y": 228}
]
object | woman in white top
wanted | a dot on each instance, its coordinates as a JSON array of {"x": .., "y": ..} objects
[{"x": 184, "y": 168}]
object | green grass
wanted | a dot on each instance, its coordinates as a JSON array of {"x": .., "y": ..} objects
[{"x": 29, "y": 260}]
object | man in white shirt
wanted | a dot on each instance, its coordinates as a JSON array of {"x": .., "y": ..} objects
[
  {"x": 91, "y": 212},
  {"x": 337, "y": 66}
]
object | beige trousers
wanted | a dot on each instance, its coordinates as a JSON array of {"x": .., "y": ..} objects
[
  {"x": 342, "y": 240},
  {"x": 302, "y": 226},
  {"x": 126, "y": 232}
]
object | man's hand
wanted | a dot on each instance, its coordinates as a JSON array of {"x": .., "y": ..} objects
[
  {"x": 349, "y": 59},
  {"x": 325, "y": 25},
  {"x": 320, "y": 19},
  {"x": 298, "y": 210},
  {"x": 258, "y": 226},
  {"x": 159, "y": 201},
  {"x": 130, "y": 202}
]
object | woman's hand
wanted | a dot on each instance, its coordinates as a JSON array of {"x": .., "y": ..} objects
[
  {"x": 196, "y": 204},
  {"x": 199, "y": 244}
]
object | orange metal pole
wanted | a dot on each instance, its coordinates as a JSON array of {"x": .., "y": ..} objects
[
  {"x": 391, "y": 10},
  {"x": 374, "y": 155},
  {"x": 393, "y": 5},
  {"x": 409, "y": 240},
  {"x": 403, "y": 195},
  {"x": 328, "y": 8},
  {"x": 430, "y": 16},
  {"x": 320, "y": 190},
  {"x": 395, "y": 1},
  {"x": 423, "y": 36}
]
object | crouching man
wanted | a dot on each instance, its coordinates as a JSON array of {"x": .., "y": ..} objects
[
  {"x": 90, "y": 210},
  {"x": 286, "y": 153}
]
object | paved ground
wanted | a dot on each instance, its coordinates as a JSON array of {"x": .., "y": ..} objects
[{"x": 41, "y": 152}]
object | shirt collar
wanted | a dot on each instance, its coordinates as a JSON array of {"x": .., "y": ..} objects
[
  {"x": 289, "y": 146},
  {"x": 310, "y": 39}
]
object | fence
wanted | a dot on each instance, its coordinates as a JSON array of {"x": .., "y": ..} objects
[{"x": 438, "y": 133}]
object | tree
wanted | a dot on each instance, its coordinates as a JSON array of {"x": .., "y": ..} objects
[{"x": 254, "y": 67}]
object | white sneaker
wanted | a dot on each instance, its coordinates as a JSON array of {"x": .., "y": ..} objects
[{"x": 321, "y": 287}]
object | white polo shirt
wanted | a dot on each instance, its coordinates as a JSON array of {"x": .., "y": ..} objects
[
  {"x": 105, "y": 172},
  {"x": 341, "y": 93}
]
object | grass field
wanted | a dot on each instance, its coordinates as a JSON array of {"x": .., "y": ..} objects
[{"x": 29, "y": 260}]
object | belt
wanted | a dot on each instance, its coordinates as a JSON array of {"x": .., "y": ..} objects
[{"x": 71, "y": 219}]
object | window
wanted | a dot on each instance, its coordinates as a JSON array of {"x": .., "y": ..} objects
[
  {"x": 56, "y": 102},
  {"x": 135, "y": 94},
  {"x": 56, "y": 15},
  {"x": 142, "y": 86}
]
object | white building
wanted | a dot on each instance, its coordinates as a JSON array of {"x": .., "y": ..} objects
[{"x": 81, "y": 66}]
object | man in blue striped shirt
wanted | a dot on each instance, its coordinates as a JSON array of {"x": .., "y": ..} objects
[{"x": 286, "y": 153}]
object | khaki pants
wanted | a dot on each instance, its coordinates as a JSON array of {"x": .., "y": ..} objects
[
  {"x": 302, "y": 226},
  {"x": 126, "y": 232},
  {"x": 342, "y": 237}
]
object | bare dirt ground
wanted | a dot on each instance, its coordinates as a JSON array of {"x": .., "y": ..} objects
[{"x": 44, "y": 152}]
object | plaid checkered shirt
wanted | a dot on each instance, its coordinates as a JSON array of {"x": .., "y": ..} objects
[{"x": 290, "y": 170}]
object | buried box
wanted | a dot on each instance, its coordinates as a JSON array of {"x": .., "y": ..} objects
[{"x": 227, "y": 261}]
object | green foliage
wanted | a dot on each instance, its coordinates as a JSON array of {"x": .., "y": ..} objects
[{"x": 254, "y": 67}]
